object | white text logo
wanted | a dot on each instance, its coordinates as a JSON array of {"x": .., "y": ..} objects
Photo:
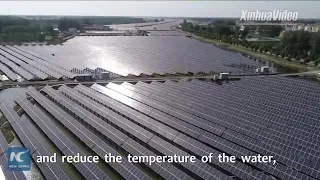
[
  {"x": 17, "y": 156},
  {"x": 275, "y": 15}
]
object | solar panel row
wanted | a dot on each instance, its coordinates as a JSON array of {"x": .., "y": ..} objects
[
  {"x": 133, "y": 114},
  {"x": 146, "y": 90},
  {"x": 255, "y": 144},
  {"x": 37, "y": 64},
  {"x": 130, "y": 128},
  {"x": 189, "y": 108},
  {"x": 269, "y": 106},
  {"x": 126, "y": 169},
  {"x": 244, "y": 115},
  {"x": 49, "y": 64},
  {"x": 30, "y": 67},
  {"x": 66, "y": 146},
  {"x": 96, "y": 98},
  {"x": 13, "y": 76},
  {"x": 149, "y": 124},
  {"x": 176, "y": 118},
  {"x": 49, "y": 170},
  {"x": 16, "y": 68},
  {"x": 196, "y": 121},
  {"x": 16, "y": 59},
  {"x": 243, "y": 169},
  {"x": 305, "y": 131},
  {"x": 114, "y": 135},
  {"x": 88, "y": 103}
]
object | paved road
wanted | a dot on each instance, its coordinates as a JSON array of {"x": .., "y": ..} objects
[
  {"x": 52, "y": 82},
  {"x": 129, "y": 79},
  {"x": 303, "y": 73}
]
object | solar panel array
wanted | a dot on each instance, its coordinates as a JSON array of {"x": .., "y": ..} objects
[
  {"x": 66, "y": 146},
  {"x": 49, "y": 170},
  {"x": 270, "y": 116},
  {"x": 137, "y": 55},
  {"x": 17, "y": 64}
]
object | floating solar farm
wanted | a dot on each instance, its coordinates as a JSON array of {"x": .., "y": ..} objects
[
  {"x": 256, "y": 115},
  {"x": 270, "y": 116},
  {"x": 138, "y": 55}
]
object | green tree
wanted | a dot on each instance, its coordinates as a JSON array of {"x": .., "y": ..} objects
[
  {"x": 270, "y": 31},
  {"x": 245, "y": 32}
]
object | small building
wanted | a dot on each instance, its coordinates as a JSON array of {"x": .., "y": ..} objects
[
  {"x": 307, "y": 28},
  {"x": 72, "y": 30},
  {"x": 224, "y": 76},
  {"x": 85, "y": 77},
  {"x": 300, "y": 27},
  {"x": 48, "y": 38},
  {"x": 56, "y": 30},
  {"x": 104, "y": 75},
  {"x": 315, "y": 28},
  {"x": 93, "y": 27},
  {"x": 263, "y": 70}
]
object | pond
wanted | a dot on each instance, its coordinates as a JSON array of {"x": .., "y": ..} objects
[{"x": 276, "y": 68}]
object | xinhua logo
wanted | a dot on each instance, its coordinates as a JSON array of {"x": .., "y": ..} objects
[
  {"x": 18, "y": 159},
  {"x": 275, "y": 15}
]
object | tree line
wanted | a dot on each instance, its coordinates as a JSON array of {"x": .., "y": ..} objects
[
  {"x": 75, "y": 22},
  {"x": 18, "y": 29},
  {"x": 300, "y": 45},
  {"x": 22, "y": 30}
]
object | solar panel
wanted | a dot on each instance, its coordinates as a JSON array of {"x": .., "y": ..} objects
[
  {"x": 282, "y": 136},
  {"x": 246, "y": 128},
  {"x": 106, "y": 129},
  {"x": 213, "y": 128},
  {"x": 58, "y": 138},
  {"x": 119, "y": 97},
  {"x": 239, "y": 170},
  {"x": 103, "y": 100},
  {"x": 50, "y": 170},
  {"x": 39, "y": 65},
  {"x": 13, "y": 76},
  {"x": 127, "y": 170},
  {"x": 256, "y": 115},
  {"x": 22, "y": 61},
  {"x": 111, "y": 117},
  {"x": 143, "y": 121},
  {"x": 17, "y": 68}
]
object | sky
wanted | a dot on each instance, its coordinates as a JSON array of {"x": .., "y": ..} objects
[{"x": 306, "y": 9}]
